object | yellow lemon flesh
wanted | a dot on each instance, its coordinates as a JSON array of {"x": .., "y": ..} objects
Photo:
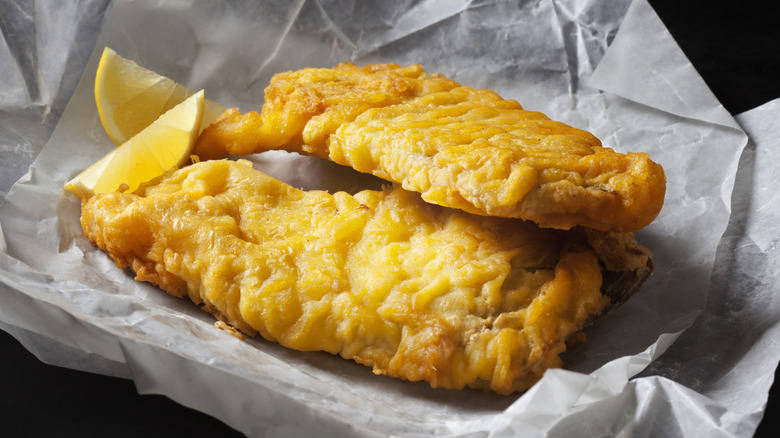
[
  {"x": 130, "y": 97},
  {"x": 164, "y": 145}
]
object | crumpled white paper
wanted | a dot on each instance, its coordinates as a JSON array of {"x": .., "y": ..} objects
[{"x": 610, "y": 68}]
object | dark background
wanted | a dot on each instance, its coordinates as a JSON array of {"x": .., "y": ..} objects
[{"x": 735, "y": 46}]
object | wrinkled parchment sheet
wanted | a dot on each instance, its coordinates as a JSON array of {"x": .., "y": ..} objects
[{"x": 608, "y": 67}]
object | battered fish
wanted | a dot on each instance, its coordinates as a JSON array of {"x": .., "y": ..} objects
[
  {"x": 457, "y": 146},
  {"x": 414, "y": 290}
]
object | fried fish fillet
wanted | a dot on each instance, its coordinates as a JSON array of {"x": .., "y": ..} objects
[
  {"x": 414, "y": 290},
  {"x": 457, "y": 146}
]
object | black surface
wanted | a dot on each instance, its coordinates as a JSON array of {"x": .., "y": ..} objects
[
  {"x": 735, "y": 46},
  {"x": 39, "y": 400}
]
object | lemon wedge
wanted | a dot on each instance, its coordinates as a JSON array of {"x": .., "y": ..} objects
[
  {"x": 164, "y": 145},
  {"x": 130, "y": 97}
]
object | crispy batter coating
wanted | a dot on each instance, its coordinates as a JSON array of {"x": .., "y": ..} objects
[
  {"x": 414, "y": 290},
  {"x": 457, "y": 146}
]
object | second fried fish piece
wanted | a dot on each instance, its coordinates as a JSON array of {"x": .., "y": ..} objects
[
  {"x": 413, "y": 290},
  {"x": 457, "y": 146}
]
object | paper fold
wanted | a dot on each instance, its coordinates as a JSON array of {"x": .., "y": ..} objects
[{"x": 634, "y": 65}]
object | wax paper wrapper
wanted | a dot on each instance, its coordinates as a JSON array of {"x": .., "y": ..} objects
[{"x": 610, "y": 68}]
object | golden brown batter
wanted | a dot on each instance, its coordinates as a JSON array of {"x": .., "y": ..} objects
[
  {"x": 414, "y": 290},
  {"x": 457, "y": 146}
]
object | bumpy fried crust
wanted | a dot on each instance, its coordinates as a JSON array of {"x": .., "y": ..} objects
[
  {"x": 414, "y": 290},
  {"x": 457, "y": 146},
  {"x": 304, "y": 107}
]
